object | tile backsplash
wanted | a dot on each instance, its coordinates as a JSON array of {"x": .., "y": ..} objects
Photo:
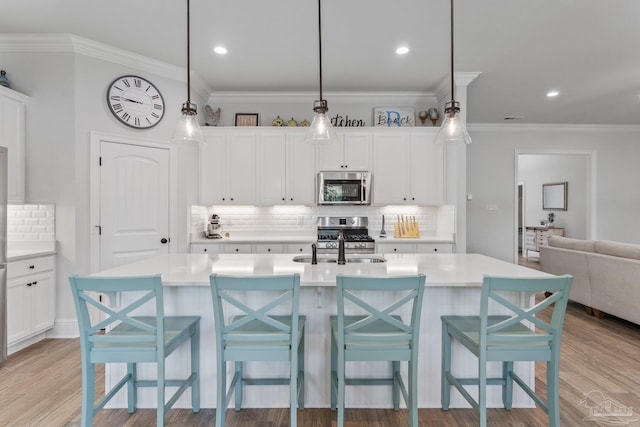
[
  {"x": 303, "y": 218},
  {"x": 31, "y": 222}
]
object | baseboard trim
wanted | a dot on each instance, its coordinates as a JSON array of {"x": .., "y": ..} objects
[{"x": 64, "y": 328}]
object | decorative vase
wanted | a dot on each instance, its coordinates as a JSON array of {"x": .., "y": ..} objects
[
  {"x": 434, "y": 115},
  {"x": 4, "y": 81}
]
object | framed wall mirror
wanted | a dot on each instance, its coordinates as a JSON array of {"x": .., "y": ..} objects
[{"x": 554, "y": 196}]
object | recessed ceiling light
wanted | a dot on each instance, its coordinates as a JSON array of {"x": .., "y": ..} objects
[
  {"x": 552, "y": 93},
  {"x": 220, "y": 50},
  {"x": 402, "y": 50}
]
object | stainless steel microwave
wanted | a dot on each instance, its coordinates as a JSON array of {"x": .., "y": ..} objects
[{"x": 344, "y": 188}]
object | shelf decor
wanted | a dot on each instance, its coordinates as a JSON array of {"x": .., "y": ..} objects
[
  {"x": 394, "y": 117},
  {"x": 246, "y": 119}
]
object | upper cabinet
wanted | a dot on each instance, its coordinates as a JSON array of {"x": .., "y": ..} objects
[
  {"x": 274, "y": 166},
  {"x": 407, "y": 168},
  {"x": 352, "y": 152},
  {"x": 286, "y": 169},
  {"x": 12, "y": 136},
  {"x": 228, "y": 168}
]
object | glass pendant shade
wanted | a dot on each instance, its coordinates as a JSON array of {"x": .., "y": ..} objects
[
  {"x": 452, "y": 129},
  {"x": 321, "y": 130},
  {"x": 188, "y": 129}
]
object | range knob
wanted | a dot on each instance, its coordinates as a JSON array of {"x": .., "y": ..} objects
[{"x": 332, "y": 245}]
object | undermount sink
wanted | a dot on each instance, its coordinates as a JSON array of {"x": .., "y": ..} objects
[{"x": 359, "y": 259}]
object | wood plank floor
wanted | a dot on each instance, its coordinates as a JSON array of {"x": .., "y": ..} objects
[{"x": 40, "y": 386}]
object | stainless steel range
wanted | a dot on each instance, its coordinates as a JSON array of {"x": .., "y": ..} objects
[{"x": 354, "y": 230}]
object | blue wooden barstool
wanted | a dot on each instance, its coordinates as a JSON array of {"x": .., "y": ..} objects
[
  {"x": 268, "y": 329},
  {"x": 506, "y": 339},
  {"x": 377, "y": 334},
  {"x": 132, "y": 339}
]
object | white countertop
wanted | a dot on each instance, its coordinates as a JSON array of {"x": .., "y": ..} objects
[
  {"x": 18, "y": 254},
  {"x": 449, "y": 270}
]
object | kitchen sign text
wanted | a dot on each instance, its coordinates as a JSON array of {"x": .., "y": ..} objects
[{"x": 394, "y": 117}]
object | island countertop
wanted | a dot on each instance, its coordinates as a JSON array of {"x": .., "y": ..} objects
[{"x": 441, "y": 269}]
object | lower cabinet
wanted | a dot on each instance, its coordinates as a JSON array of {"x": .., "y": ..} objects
[
  {"x": 30, "y": 299},
  {"x": 414, "y": 248}
]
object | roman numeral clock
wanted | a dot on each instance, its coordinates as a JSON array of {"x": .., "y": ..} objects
[{"x": 135, "y": 101}]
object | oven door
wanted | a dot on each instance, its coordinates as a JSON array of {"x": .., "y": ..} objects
[{"x": 343, "y": 188}]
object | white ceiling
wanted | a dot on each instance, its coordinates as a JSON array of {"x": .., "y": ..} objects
[{"x": 588, "y": 50}]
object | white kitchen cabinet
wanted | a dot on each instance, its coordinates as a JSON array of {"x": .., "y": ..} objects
[
  {"x": 351, "y": 152},
  {"x": 286, "y": 169},
  {"x": 227, "y": 168},
  {"x": 440, "y": 248},
  {"x": 293, "y": 248},
  {"x": 254, "y": 248},
  {"x": 397, "y": 248},
  {"x": 12, "y": 136},
  {"x": 30, "y": 300},
  {"x": 408, "y": 168},
  {"x": 239, "y": 248},
  {"x": 207, "y": 248}
]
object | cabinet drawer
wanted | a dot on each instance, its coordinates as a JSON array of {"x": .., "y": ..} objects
[
  {"x": 435, "y": 248},
  {"x": 30, "y": 266},
  {"x": 266, "y": 248},
  {"x": 207, "y": 248},
  {"x": 398, "y": 248},
  {"x": 294, "y": 248},
  {"x": 238, "y": 249}
]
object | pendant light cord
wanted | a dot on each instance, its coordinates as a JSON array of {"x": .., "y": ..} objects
[
  {"x": 189, "y": 54},
  {"x": 452, "y": 86},
  {"x": 320, "y": 43}
]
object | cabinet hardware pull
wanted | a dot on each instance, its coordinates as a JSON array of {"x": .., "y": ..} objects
[
  {"x": 32, "y": 267},
  {"x": 35, "y": 283},
  {"x": 29, "y": 284}
]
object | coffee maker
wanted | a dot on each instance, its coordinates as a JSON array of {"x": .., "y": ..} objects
[{"x": 214, "y": 229}]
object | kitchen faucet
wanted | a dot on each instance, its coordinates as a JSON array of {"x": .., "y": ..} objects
[{"x": 341, "y": 259}]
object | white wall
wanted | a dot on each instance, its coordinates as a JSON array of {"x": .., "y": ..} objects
[
  {"x": 67, "y": 102},
  {"x": 537, "y": 169},
  {"x": 491, "y": 178}
]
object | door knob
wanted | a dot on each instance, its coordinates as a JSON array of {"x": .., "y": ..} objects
[{"x": 163, "y": 240}]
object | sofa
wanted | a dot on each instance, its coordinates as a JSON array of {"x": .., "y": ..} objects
[{"x": 606, "y": 275}]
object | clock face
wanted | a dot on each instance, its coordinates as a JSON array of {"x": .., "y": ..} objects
[{"x": 136, "y": 102}]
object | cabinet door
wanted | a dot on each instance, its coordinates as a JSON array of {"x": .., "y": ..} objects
[
  {"x": 426, "y": 168},
  {"x": 242, "y": 248},
  {"x": 241, "y": 168},
  {"x": 17, "y": 312},
  {"x": 271, "y": 176},
  {"x": 213, "y": 170},
  {"x": 331, "y": 156},
  {"x": 390, "y": 155},
  {"x": 12, "y": 136},
  {"x": 357, "y": 151},
  {"x": 301, "y": 171},
  {"x": 41, "y": 294}
]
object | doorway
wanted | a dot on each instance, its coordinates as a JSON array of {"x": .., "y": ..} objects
[{"x": 536, "y": 167}]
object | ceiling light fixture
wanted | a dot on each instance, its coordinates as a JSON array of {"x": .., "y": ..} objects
[
  {"x": 220, "y": 50},
  {"x": 402, "y": 50},
  {"x": 320, "y": 129},
  {"x": 452, "y": 128},
  {"x": 188, "y": 129},
  {"x": 552, "y": 94}
]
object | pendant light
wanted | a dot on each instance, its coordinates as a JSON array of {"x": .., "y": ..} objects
[
  {"x": 320, "y": 129},
  {"x": 188, "y": 129},
  {"x": 452, "y": 128}
]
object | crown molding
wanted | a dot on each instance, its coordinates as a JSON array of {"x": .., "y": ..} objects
[
  {"x": 409, "y": 98},
  {"x": 43, "y": 43}
]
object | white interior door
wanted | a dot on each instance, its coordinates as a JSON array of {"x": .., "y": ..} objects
[{"x": 134, "y": 203}]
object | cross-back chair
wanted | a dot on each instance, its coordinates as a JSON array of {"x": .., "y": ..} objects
[
  {"x": 370, "y": 333},
  {"x": 131, "y": 339},
  {"x": 522, "y": 335},
  {"x": 269, "y": 330}
]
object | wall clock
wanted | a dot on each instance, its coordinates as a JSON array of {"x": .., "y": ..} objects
[{"x": 135, "y": 101}]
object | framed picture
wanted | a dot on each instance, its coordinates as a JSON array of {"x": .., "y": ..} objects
[
  {"x": 554, "y": 196},
  {"x": 246, "y": 119},
  {"x": 394, "y": 117}
]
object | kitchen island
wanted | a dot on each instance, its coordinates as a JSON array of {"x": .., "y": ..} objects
[{"x": 453, "y": 283}]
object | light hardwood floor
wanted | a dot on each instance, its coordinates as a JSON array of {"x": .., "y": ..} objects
[{"x": 40, "y": 386}]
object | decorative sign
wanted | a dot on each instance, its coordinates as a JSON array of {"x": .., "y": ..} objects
[
  {"x": 346, "y": 121},
  {"x": 394, "y": 117}
]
